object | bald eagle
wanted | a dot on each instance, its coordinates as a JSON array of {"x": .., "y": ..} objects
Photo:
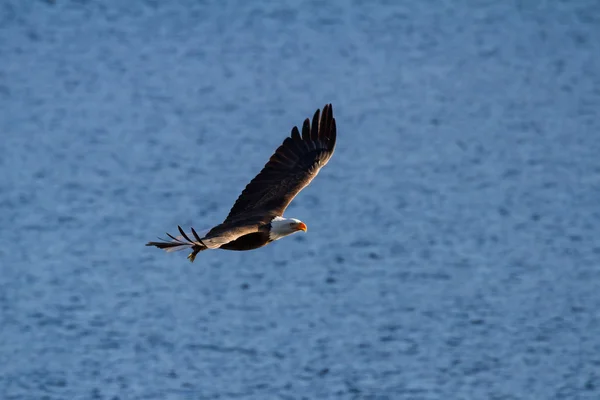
[{"x": 256, "y": 219}]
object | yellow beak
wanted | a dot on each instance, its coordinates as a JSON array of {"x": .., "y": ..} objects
[{"x": 302, "y": 226}]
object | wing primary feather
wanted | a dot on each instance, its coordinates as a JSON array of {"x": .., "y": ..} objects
[
  {"x": 331, "y": 119},
  {"x": 196, "y": 235},
  {"x": 306, "y": 130},
  {"x": 307, "y": 136},
  {"x": 174, "y": 238},
  {"x": 325, "y": 121},
  {"x": 184, "y": 235},
  {"x": 171, "y": 236},
  {"x": 314, "y": 132},
  {"x": 332, "y": 135},
  {"x": 296, "y": 134}
]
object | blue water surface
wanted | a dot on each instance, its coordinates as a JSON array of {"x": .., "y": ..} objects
[{"x": 453, "y": 244}]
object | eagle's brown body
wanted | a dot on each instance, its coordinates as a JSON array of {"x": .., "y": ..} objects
[
  {"x": 256, "y": 217},
  {"x": 250, "y": 241}
]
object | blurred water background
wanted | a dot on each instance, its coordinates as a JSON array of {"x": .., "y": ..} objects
[{"x": 453, "y": 249}]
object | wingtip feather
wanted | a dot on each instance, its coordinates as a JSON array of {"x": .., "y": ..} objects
[
  {"x": 306, "y": 130},
  {"x": 314, "y": 131},
  {"x": 183, "y": 234},
  {"x": 296, "y": 133},
  {"x": 332, "y": 135}
]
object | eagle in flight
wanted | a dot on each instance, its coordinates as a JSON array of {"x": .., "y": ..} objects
[{"x": 256, "y": 219}]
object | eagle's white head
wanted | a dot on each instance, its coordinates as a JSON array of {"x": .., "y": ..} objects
[{"x": 281, "y": 227}]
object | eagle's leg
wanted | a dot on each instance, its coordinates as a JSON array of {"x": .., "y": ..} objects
[{"x": 195, "y": 250}]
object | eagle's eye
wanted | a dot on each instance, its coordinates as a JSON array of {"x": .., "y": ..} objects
[{"x": 291, "y": 224}]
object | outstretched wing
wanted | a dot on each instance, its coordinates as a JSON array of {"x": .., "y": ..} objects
[{"x": 291, "y": 168}]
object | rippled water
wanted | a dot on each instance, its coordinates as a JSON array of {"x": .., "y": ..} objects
[{"x": 453, "y": 249}]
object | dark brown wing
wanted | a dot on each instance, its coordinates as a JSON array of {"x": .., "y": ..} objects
[{"x": 291, "y": 168}]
